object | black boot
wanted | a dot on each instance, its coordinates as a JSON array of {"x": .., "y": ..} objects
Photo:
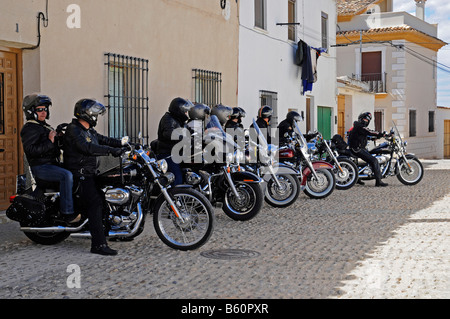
[
  {"x": 380, "y": 183},
  {"x": 103, "y": 250}
]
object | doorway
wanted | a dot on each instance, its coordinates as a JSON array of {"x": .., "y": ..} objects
[{"x": 10, "y": 159}]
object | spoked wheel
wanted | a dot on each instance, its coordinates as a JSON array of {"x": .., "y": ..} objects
[
  {"x": 321, "y": 187},
  {"x": 247, "y": 205},
  {"x": 348, "y": 177},
  {"x": 195, "y": 226},
  {"x": 285, "y": 194},
  {"x": 410, "y": 174}
]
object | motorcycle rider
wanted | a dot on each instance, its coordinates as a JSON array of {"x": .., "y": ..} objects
[
  {"x": 265, "y": 114},
  {"x": 235, "y": 121},
  {"x": 357, "y": 141},
  {"x": 40, "y": 143},
  {"x": 287, "y": 126},
  {"x": 174, "y": 119},
  {"x": 82, "y": 146}
]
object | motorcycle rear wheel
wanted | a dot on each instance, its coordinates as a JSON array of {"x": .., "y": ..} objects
[
  {"x": 196, "y": 228},
  {"x": 323, "y": 187},
  {"x": 247, "y": 206},
  {"x": 47, "y": 239},
  {"x": 284, "y": 196}
]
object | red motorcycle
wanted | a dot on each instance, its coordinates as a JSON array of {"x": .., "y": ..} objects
[{"x": 318, "y": 179}]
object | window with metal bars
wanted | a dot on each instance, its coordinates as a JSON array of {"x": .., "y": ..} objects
[
  {"x": 207, "y": 87},
  {"x": 128, "y": 100}
]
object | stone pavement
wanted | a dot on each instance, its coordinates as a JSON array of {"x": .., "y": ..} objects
[{"x": 368, "y": 242}]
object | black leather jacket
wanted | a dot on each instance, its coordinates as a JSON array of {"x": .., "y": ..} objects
[
  {"x": 357, "y": 138},
  {"x": 38, "y": 148},
  {"x": 167, "y": 125},
  {"x": 82, "y": 147}
]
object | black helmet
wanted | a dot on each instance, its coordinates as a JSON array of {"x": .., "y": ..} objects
[
  {"x": 222, "y": 112},
  {"x": 199, "y": 112},
  {"x": 31, "y": 102},
  {"x": 265, "y": 112},
  {"x": 365, "y": 116},
  {"x": 238, "y": 113},
  {"x": 89, "y": 110},
  {"x": 293, "y": 117},
  {"x": 179, "y": 107}
]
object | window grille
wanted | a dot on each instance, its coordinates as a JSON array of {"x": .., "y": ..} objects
[
  {"x": 128, "y": 100},
  {"x": 207, "y": 87}
]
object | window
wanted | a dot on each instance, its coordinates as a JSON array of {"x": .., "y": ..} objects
[
  {"x": 431, "y": 121},
  {"x": 291, "y": 20},
  {"x": 260, "y": 14},
  {"x": 271, "y": 99},
  {"x": 127, "y": 97},
  {"x": 412, "y": 123},
  {"x": 378, "y": 121},
  {"x": 207, "y": 87},
  {"x": 2, "y": 106},
  {"x": 325, "y": 31}
]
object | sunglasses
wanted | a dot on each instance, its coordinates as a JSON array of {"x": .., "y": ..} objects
[{"x": 42, "y": 109}]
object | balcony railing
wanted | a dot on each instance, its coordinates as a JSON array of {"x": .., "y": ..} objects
[{"x": 376, "y": 81}]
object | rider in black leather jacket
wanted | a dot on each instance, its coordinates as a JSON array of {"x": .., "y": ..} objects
[
  {"x": 357, "y": 141},
  {"x": 82, "y": 146}
]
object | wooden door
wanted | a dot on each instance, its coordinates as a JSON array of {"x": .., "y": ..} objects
[
  {"x": 371, "y": 66},
  {"x": 447, "y": 139},
  {"x": 341, "y": 115},
  {"x": 9, "y": 131}
]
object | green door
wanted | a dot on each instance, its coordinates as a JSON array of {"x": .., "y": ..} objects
[{"x": 324, "y": 121}]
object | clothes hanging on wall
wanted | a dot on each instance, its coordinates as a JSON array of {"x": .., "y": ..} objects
[{"x": 307, "y": 57}]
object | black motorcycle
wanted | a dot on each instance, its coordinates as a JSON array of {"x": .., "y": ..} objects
[
  {"x": 331, "y": 151},
  {"x": 183, "y": 218},
  {"x": 393, "y": 160},
  {"x": 282, "y": 184},
  {"x": 215, "y": 170}
]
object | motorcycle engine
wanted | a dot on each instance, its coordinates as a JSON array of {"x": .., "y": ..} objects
[
  {"x": 382, "y": 159},
  {"x": 120, "y": 202}
]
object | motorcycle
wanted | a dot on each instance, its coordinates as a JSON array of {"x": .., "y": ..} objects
[
  {"x": 182, "y": 217},
  {"x": 281, "y": 182},
  {"x": 393, "y": 160},
  {"x": 318, "y": 179},
  {"x": 215, "y": 170},
  {"x": 345, "y": 169}
]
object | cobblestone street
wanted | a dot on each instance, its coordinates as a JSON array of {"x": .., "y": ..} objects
[{"x": 367, "y": 242}]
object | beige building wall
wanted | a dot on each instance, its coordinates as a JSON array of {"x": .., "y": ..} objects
[{"x": 176, "y": 36}]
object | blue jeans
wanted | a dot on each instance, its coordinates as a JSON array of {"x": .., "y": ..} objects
[
  {"x": 173, "y": 168},
  {"x": 52, "y": 173}
]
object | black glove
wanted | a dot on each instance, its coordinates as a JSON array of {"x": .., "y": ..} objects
[{"x": 116, "y": 152}]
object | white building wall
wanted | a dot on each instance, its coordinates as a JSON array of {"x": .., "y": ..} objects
[{"x": 266, "y": 58}]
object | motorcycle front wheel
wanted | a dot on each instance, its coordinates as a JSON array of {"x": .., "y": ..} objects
[
  {"x": 284, "y": 195},
  {"x": 247, "y": 205},
  {"x": 321, "y": 187},
  {"x": 412, "y": 174},
  {"x": 349, "y": 175},
  {"x": 197, "y": 223}
]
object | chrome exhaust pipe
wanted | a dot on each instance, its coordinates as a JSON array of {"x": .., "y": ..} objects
[{"x": 54, "y": 230}]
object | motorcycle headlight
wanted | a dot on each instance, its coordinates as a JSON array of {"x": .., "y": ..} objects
[
  {"x": 163, "y": 166},
  {"x": 240, "y": 157},
  {"x": 229, "y": 158}
]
